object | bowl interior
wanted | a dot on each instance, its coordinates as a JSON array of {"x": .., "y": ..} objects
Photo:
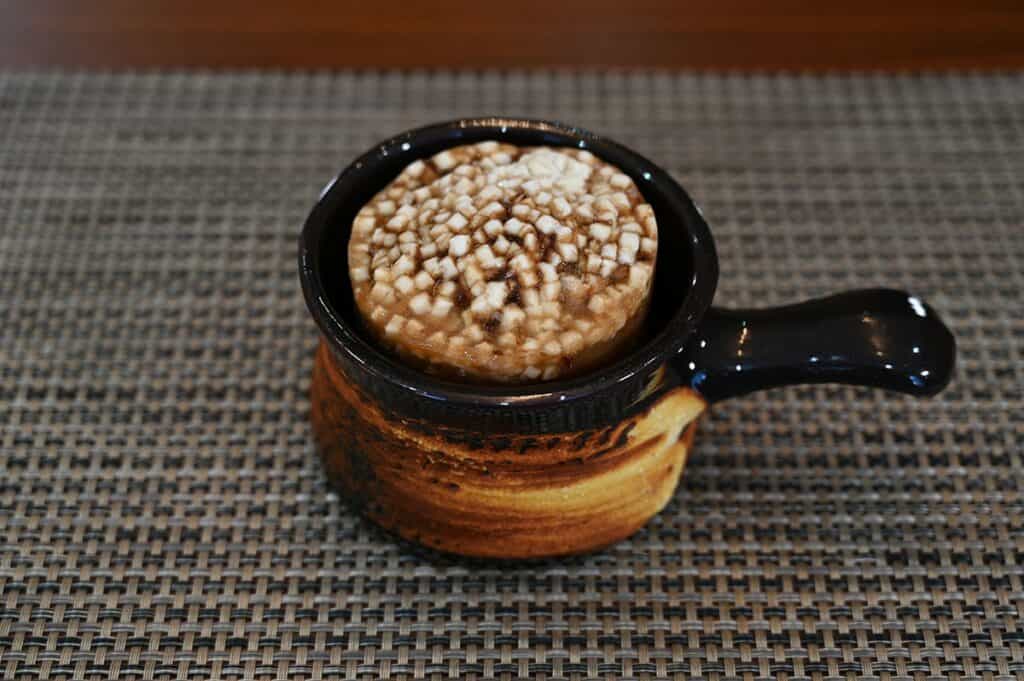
[{"x": 327, "y": 233}]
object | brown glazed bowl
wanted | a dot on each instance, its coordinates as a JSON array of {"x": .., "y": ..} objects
[{"x": 570, "y": 465}]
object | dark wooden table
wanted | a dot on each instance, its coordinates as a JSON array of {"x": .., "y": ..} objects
[{"x": 719, "y": 34}]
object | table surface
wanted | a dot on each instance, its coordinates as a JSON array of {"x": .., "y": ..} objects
[
  {"x": 162, "y": 511},
  {"x": 703, "y": 34}
]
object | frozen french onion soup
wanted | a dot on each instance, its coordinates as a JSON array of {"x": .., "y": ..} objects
[{"x": 497, "y": 263}]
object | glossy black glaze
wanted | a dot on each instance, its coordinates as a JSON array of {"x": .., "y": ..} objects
[
  {"x": 686, "y": 274},
  {"x": 876, "y": 337}
]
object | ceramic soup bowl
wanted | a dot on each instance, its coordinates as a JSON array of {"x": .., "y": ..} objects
[{"x": 570, "y": 465}]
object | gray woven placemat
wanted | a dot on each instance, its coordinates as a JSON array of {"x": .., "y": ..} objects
[{"x": 162, "y": 513}]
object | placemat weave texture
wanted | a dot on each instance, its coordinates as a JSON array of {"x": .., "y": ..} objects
[{"x": 162, "y": 510}]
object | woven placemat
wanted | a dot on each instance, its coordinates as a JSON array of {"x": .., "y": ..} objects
[{"x": 162, "y": 512}]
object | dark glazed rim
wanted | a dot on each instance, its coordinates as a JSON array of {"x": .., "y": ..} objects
[{"x": 421, "y": 142}]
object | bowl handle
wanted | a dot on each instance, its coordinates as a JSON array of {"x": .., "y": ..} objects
[{"x": 874, "y": 337}]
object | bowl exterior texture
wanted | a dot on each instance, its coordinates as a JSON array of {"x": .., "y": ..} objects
[{"x": 521, "y": 495}]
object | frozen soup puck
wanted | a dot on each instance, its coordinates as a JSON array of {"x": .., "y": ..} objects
[{"x": 497, "y": 263}]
